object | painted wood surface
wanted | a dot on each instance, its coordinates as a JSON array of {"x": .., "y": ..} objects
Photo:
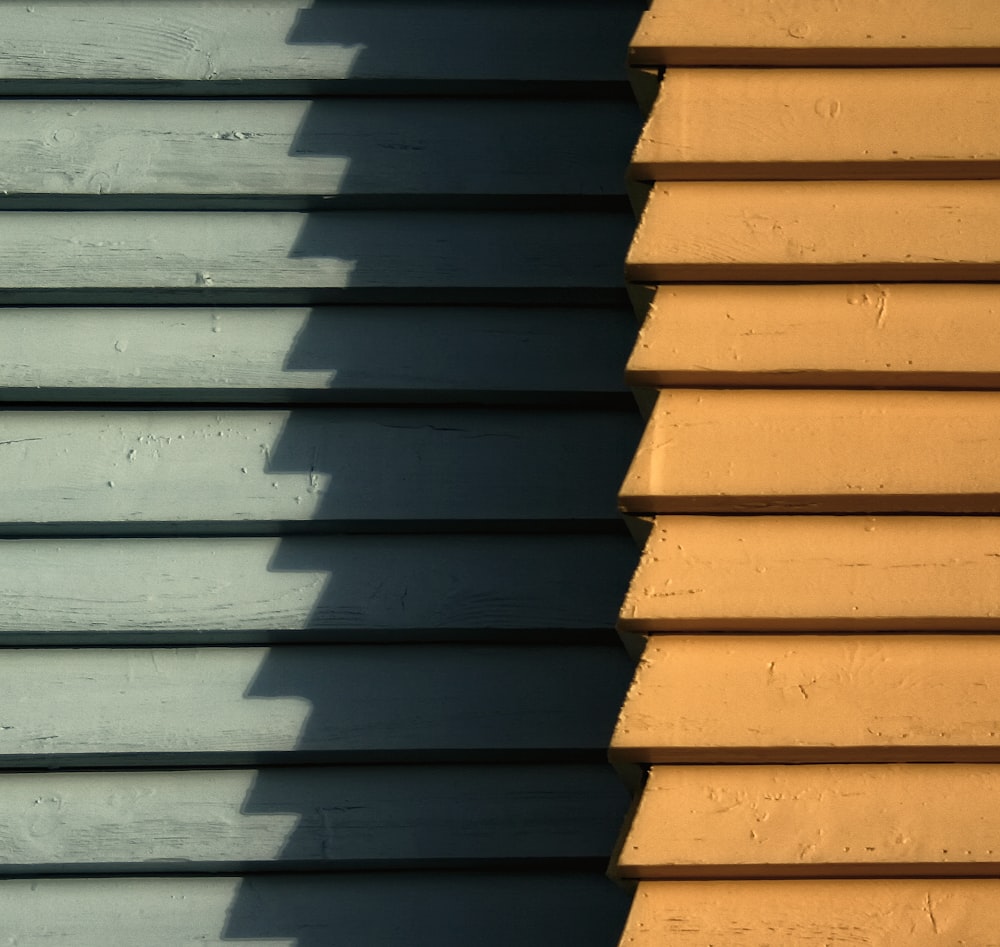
[
  {"x": 817, "y": 452},
  {"x": 239, "y": 706},
  {"x": 317, "y": 909},
  {"x": 299, "y": 152},
  {"x": 306, "y": 818},
  {"x": 347, "y": 353},
  {"x": 834, "y": 698},
  {"x": 822, "y": 123},
  {"x": 351, "y": 465},
  {"x": 806, "y": 32},
  {"x": 874, "y": 912},
  {"x": 819, "y": 230},
  {"x": 817, "y": 573},
  {"x": 293, "y": 259},
  {"x": 893, "y": 820},
  {"x": 255, "y": 46},
  {"x": 311, "y": 588},
  {"x": 868, "y": 335}
]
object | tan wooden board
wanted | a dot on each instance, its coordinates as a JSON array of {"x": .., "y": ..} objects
[
  {"x": 866, "y": 335},
  {"x": 817, "y": 451},
  {"x": 818, "y": 230},
  {"x": 822, "y": 123},
  {"x": 809, "y": 573},
  {"x": 831, "y": 698},
  {"x": 813, "y": 32},
  {"x": 889, "y": 820},
  {"x": 807, "y": 913}
]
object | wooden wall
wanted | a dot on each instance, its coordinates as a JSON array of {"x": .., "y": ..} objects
[
  {"x": 816, "y": 712},
  {"x": 312, "y": 332}
]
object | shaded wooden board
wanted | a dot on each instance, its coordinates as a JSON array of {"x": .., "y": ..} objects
[
  {"x": 836, "y": 698},
  {"x": 879, "y": 335},
  {"x": 238, "y": 706},
  {"x": 812, "y": 573},
  {"x": 822, "y": 123},
  {"x": 350, "y": 465},
  {"x": 325, "y": 354},
  {"x": 804, "y": 32},
  {"x": 889, "y": 820},
  {"x": 307, "y": 818},
  {"x": 302, "y": 152},
  {"x": 416, "y": 908},
  {"x": 259, "y": 46},
  {"x": 874, "y": 912},
  {"x": 738, "y": 451},
  {"x": 816, "y": 230},
  {"x": 294, "y": 259},
  {"x": 342, "y": 588}
]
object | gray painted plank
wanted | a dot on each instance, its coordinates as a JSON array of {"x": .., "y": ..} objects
[
  {"x": 306, "y": 818},
  {"x": 363, "y": 466},
  {"x": 343, "y": 588},
  {"x": 358, "y": 148},
  {"x": 419, "y": 909},
  {"x": 224, "y": 46},
  {"x": 328, "y": 354},
  {"x": 293, "y": 258},
  {"x": 244, "y": 706}
]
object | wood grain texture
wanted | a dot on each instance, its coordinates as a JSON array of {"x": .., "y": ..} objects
[
  {"x": 817, "y": 573},
  {"x": 315, "y": 910},
  {"x": 889, "y": 820},
  {"x": 306, "y": 818},
  {"x": 874, "y": 912},
  {"x": 835, "y": 698},
  {"x": 822, "y": 123},
  {"x": 343, "y": 703},
  {"x": 816, "y": 230},
  {"x": 807, "y": 32},
  {"x": 409, "y": 353},
  {"x": 309, "y": 151},
  {"x": 738, "y": 451},
  {"x": 340, "y": 588},
  {"x": 869, "y": 335}
]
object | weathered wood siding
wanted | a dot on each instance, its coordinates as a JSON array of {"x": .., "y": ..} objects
[
  {"x": 312, "y": 329},
  {"x": 860, "y": 647}
]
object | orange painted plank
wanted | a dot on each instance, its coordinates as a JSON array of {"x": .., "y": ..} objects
[
  {"x": 818, "y": 32},
  {"x": 903, "y": 820},
  {"x": 901, "y": 335},
  {"x": 818, "y": 230},
  {"x": 817, "y": 573},
  {"x": 817, "y": 451},
  {"x": 806, "y": 913},
  {"x": 802, "y": 698},
  {"x": 822, "y": 123}
]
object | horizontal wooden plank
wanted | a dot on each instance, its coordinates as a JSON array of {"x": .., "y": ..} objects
[
  {"x": 835, "y": 698},
  {"x": 872, "y": 335},
  {"x": 309, "y": 151},
  {"x": 275, "y": 46},
  {"x": 816, "y": 451},
  {"x": 326, "y": 354},
  {"x": 874, "y": 912},
  {"x": 817, "y": 573},
  {"x": 804, "y": 32},
  {"x": 417, "y": 908},
  {"x": 276, "y": 258},
  {"x": 333, "y": 588},
  {"x": 819, "y": 230},
  {"x": 307, "y": 818},
  {"x": 822, "y": 123},
  {"x": 349, "y": 465},
  {"x": 240, "y": 706},
  {"x": 917, "y": 819}
]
